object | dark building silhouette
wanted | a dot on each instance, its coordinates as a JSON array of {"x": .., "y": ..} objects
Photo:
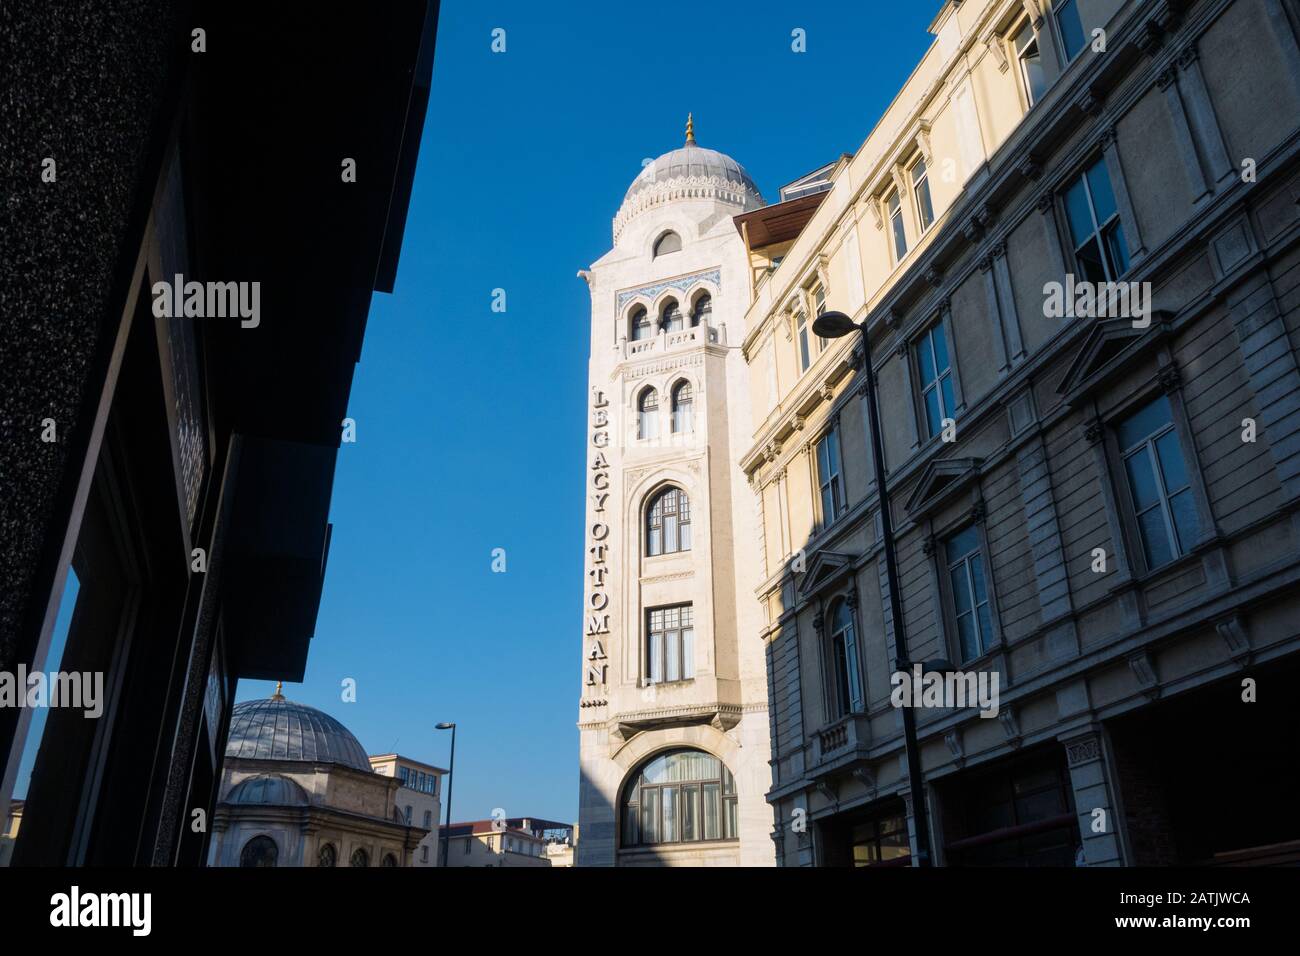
[{"x": 165, "y": 479}]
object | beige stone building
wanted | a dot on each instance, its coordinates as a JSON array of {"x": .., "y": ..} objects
[
  {"x": 419, "y": 799},
  {"x": 1100, "y": 509},
  {"x": 499, "y": 843},
  {"x": 673, "y": 716}
]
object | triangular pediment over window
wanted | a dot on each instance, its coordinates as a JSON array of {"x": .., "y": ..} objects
[
  {"x": 1108, "y": 349},
  {"x": 825, "y": 569},
  {"x": 940, "y": 480}
]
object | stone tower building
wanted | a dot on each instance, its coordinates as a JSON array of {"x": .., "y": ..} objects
[{"x": 673, "y": 713}]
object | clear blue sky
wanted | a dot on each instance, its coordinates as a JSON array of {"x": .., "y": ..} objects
[{"x": 470, "y": 423}]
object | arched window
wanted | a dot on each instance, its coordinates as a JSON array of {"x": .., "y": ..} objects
[
  {"x": 703, "y": 310},
  {"x": 670, "y": 317},
  {"x": 647, "y": 414},
  {"x": 668, "y": 242},
  {"x": 259, "y": 851},
  {"x": 681, "y": 399},
  {"x": 327, "y": 856},
  {"x": 844, "y": 657},
  {"x": 359, "y": 858},
  {"x": 668, "y": 523},
  {"x": 684, "y": 796},
  {"x": 640, "y": 325},
  {"x": 389, "y": 860}
]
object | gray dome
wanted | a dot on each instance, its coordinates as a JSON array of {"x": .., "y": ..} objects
[
  {"x": 267, "y": 789},
  {"x": 692, "y": 160},
  {"x": 279, "y": 729}
]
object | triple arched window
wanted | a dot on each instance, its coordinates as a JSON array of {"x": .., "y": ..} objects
[
  {"x": 668, "y": 523},
  {"x": 684, "y": 796},
  {"x": 647, "y": 414}
]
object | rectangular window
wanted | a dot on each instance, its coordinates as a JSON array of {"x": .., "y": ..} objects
[
  {"x": 1032, "y": 75},
  {"x": 1159, "y": 487},
  {"x": 670, "y": 644},
  {"x": 829, "y": 480},
  {"x": 818, "y": 297},
  {"x": 896, "y": 224},
  {"x": 805, "y": 353},
  {"x": 1100, "y": 251},
  {"x": 1072, "y": 36},
  {"x": 921, "y": 189},
  {"x": 970, "y": 597},
  {"x": 935, "y": 372}
]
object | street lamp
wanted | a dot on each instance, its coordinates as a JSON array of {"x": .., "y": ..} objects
[
  {"x": 451, "y": 773},
  {"x": 834, "y": 325}
]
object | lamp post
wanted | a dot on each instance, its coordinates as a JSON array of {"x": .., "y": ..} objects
[
  {"x": 834, "y": 325},
  {"x": 451, "y": 774}
]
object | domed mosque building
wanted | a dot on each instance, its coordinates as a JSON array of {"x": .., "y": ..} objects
[{"x": 297, "y": 789}]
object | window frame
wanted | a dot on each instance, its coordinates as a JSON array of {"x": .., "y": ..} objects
[
  {"x": 682, "y": 506},
  {"x": 647, "y": 419},
  {"x": 640, "y": 331},
  {"x": 803, "y": 344},
  {"x": 897, "y": 224},
  {"x": 682, "y": 420},
  {"x": 916, "y": 186},
  {"x": 834, "y": 483},
  {"x": 946, "y": 566},
  {"x": 631, "y": 805},
  {"x": 925, "y": 339},
  {"x": 1099, "y": 230},
  {"x": 1136, "y": 541},
  {"x": 1058, "y": 7},
  {"x": 659, "y": 640},
  {"x": 1018, "y": 55},
  {"x": 846, "y": 689}
]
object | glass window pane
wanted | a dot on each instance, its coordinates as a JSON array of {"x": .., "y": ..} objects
[
  {"x": 1141, "y": 480},
  {"x": 656, "y": 658},
  {"x": 900, "y": 236},
  {"x": 1116, "y": 248},
  {"x": 962, "y": 543},
  {"x": 804, "y": 358},
  {"x": 940, "y": 348},
  {"x": 668, "y": 821},
  {"x": 650, "y": 816},
  {"x": 925, "y": 360},
  {"x": 933, "y": 417},
  {"x": 685, "y": 533},
  {"x": 960, "y": 589},
  {"x": 1067, "y": 15},
  {"x": 712, "y": 809},
  {"x": 966, "y": 637},
  {"x": 670, "y": 533},
  {"x": 1171, "y": 461},
  {"x": 977, "y": 578},
  {"x": 688, "y": 653},
  {"x": 1078, "y": 213},
  {"x": 828, "y": 504},
  {"x": 1185, "y": 521},
  {"x": 924, "y": 207},
  {"x": 1031, "y": 66},
  {"x": 1144, "y": 423},
  {"x": 986, "y": 627},
  {"x": 1091, "y": 266},
  {"x": 1155, "y": 539},
  {"x": 949, "y": 402},
  {"x": 690, "y": 812},
  {"x": 1103, "y": 197}
]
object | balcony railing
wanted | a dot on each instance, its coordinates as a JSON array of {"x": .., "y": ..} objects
[
  {"x": 840, "y": 742},
  {"x": 664, "y": 341}
]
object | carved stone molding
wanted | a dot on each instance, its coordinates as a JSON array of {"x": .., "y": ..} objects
[
  {"x": 1169, "y": 378},
  {"x": 978, "y": 512},
  {"x": 1093, "y": 430},
  {"x": 1083, "y": 750},
  {"x": 1045, "y": 203}
]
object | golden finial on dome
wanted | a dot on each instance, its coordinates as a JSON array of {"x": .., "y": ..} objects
[
  {"x": 279, "y": 686},
  {"x": 690, "y": 130}
]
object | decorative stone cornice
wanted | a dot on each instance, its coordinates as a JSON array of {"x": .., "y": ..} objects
[
  {"x": 1169, "y": 378},
  {"x": 684, "y": 187},
  {"x": 1092, "y": 431}
]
